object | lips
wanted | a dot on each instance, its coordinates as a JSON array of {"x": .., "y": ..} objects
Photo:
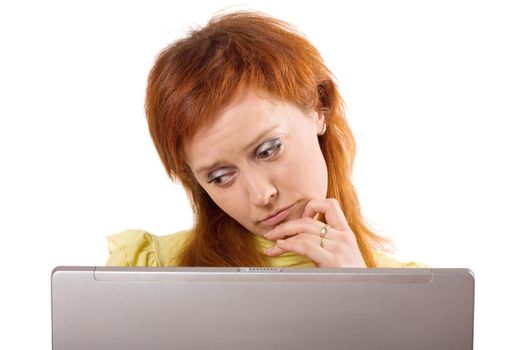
[{"x": 278, "y": 217}]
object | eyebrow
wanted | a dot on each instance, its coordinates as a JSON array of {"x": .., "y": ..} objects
[{"x": 245, "y": 148}]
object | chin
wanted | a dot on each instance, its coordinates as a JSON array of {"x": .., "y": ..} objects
[{"x": 259, "y": 232}]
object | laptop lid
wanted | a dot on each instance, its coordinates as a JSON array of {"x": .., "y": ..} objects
[{"x": 261, "y": 308}]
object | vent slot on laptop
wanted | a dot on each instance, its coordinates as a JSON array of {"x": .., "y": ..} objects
[{"x": 260, "y": 269}]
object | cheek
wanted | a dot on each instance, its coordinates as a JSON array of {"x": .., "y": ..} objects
[
  {"x": 304, "y": 172},
  {"x": 228, "y": 201}
]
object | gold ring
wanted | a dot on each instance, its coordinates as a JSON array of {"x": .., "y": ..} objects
[{"x": 324, "y": 231}]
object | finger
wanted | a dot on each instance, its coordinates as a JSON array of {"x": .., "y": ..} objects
[
  {"x": 331, "y": 209},
  {"x": 274, "y": 251},
  {"x": 295, "y": 227},
  {"x": 307, "y": 247}
]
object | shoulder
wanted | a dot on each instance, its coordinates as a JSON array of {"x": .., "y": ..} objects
[
  {"x": 141, "y": 248},
  {"x": 386, "y": 261}
]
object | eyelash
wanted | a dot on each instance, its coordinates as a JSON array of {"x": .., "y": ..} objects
[
  {"x": 216, "y": 178},
  {"x": 275, "y": 147}
]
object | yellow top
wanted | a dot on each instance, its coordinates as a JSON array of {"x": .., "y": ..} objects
[{"x": 140, "y": 248}]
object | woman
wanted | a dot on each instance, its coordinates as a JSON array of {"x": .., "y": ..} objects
[{"x": 244, "y": 113}]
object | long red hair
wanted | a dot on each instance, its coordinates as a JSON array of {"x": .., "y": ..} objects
[{"x": 193, "y": 78}]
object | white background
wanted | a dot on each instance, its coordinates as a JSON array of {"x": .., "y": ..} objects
[{"x": 435, "y": 94}]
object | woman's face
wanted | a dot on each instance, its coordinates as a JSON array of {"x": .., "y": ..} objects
[{"x": 260, "y": 161}]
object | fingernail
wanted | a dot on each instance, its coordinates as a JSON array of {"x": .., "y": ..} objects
[
  {"x": 268, "y": 234},
  {"x": 268, "y": 250}
]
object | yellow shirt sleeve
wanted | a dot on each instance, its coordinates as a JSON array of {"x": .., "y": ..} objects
[
  {"x": 385, "y": 261},
  {"x": 132, "y": 248},
  {"x": 141, "y": 248}
]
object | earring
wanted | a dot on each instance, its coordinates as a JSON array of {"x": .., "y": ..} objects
[{"x": 324, "y": 129}]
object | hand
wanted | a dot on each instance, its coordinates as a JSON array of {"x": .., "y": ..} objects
[{"x": 303, "y": 236}]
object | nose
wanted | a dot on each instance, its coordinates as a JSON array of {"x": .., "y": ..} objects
[{"x": 260, "y": 189}]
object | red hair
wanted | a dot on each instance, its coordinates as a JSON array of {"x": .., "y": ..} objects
[{"x": 195, "y": 77}]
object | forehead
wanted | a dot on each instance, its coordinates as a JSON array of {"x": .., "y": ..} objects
[
  {"x": 246, "y": 108},
  {"x": 242, "y": 120}
]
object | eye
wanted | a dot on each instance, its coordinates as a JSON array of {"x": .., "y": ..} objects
[
  {"x": 269, "y": 149},
  {"x": 220, "y": 176}
]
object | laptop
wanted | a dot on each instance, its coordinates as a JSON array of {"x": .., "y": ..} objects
[{"x": 99, "y": 308}]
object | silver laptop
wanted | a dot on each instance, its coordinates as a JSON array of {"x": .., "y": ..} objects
[{"x": 99, "y": 308}]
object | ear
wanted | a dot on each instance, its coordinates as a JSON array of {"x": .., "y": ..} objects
[{"x": 319, "y": 121}]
